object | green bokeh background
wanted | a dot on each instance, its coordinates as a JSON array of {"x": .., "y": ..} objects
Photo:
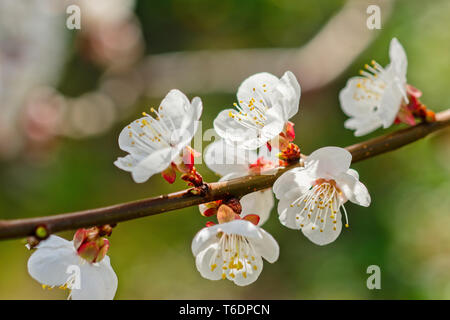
[{"x": 405, "y": 231}]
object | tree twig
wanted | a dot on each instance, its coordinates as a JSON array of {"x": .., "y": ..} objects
[{"x": 218, "y": 190}]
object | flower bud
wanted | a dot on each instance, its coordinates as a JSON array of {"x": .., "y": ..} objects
[
  {"x": 90, "y": 245},
  {"x": 79, "y": 238},
  {"x": 430, "y": 116},
  {"x": 88, "y": 251}
]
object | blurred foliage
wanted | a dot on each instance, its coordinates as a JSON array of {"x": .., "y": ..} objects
[{"x": 404, "y": 231}]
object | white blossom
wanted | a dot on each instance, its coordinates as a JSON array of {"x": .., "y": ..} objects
[
  {"x": 312, "y": 197},
  {"x": 54, "y": 264},
  {"x": 153, "y": 143},
  {"x": 374, "y": 99},
  {"x": 234, "y": 251},
  {"x": 265, "y": 104}
]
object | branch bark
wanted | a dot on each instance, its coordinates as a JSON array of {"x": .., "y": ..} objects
[{"x": 215, "y": 191}]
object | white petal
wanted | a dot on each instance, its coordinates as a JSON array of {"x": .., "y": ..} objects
[
  {"x": 329, "y": 162},
  {"x": 260, "y": 203},
  {"x": 266, "y": 246},
  {"x": 353, "y": 189},
  {"x": 126, "y": 142},
  {"x": 390, "y": 104},
  {"x": 249, "y": 274},
  {"x": 154, "y": 163},
  {"x": 363, "y": 126},
  {"x": 287, "y": 92},
  {"x": 175, "y": 106},
  {"x": 48, "y": 264},
  {"x": 98, "y": 282},
  {"x": 204, "y": 238},
  {"x": 224, "y": 158},
  {"x": 354, "y": 173},
  {"x": 233, "y": 132},
  {"x": 297, "y": 177},
  {"x": 208, "y": 257},
  {"x": 360, "y": 107},
  {"x": 127, "y": 163},
  {"x": 398, "y": 58},
  {"x": 274, "y": 124},
  {"x": 55, "y": 242},
  {"x": 240, "y": 227},
  {"x": 288, "y": 214},
  {"x": 328, "y": 234},
  {"x": 190, "y": 123},
  {"x": 255, "y": 86}
]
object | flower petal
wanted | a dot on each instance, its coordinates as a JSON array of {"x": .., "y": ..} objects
[
  {"x": 127, "y": 163},
  {"x": 204, "y": 238},
  {"x": 390, "y": 104},
  {"x": 328, "y": 162},
  {"x": 175, "y": 106},
  {"x": 240, "y": 227},
  {"x": 98, "y": 281},
  {"x": 288, "y": 92},
  {"x": 297, "y": 177},
  {"x": 48, "y": 264},
  {"x": 288, "y": 212},
  {"x": 327, "y": 235},
  {"x": 260, "y": 85},
  {"x": 266, "y": 246},
  {"x": 249, "y": 274},
  {"x": 398, "y": 58},
  {"x": 353, "y": 189},
  {"x": 153, "y": 163},
  {"x": 355, "y": 101},
  {"x": 206, "y": 262},
  {"x": 363, "y": 126},
  {"x": 260, "y": 203},
  {"x": 233, "y": 132}
]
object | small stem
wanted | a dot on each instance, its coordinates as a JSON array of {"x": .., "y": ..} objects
[{"x": 215, "y": 191}]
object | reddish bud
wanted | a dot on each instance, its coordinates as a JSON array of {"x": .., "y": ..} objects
[
  {"x": 104, "y": 246},
  {"x": 290, "y": 154},
  {"x": 210, "y": 224},
  {"x": 193, "y": 177},
  {"x": 89, "y": 245},
  {"x": 105, "y": 230},
  {"x": 88, "y": 251},
  {"x": 430, "y": 116},
  {"x": 79, "y": 238}
]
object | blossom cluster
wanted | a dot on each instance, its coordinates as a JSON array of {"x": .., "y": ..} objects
[{"x": 256, "y": 137}]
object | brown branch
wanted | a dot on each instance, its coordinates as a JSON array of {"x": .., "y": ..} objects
[{"x": 217, "y": 190}]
